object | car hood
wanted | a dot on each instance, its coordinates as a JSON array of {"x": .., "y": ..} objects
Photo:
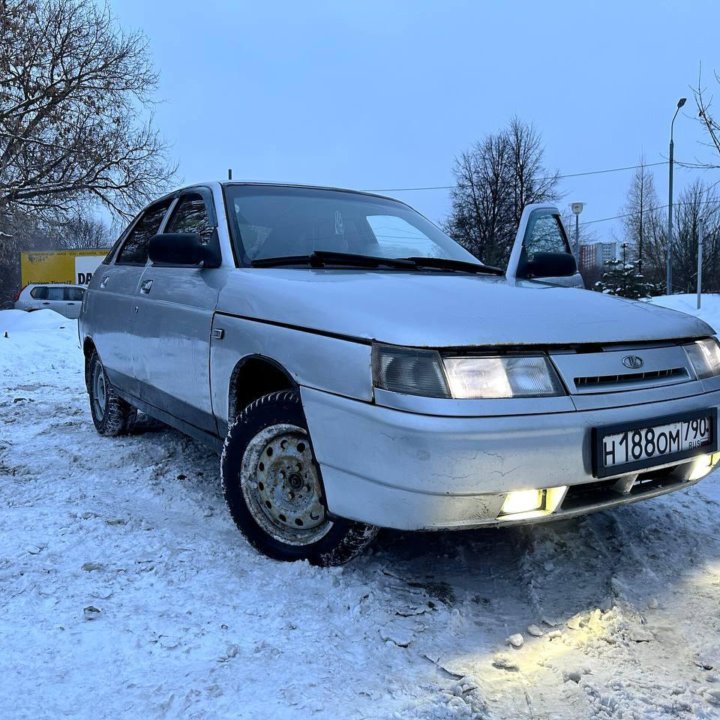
[{"x": 431, "y": 309}]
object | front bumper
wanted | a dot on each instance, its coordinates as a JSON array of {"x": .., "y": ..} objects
[{"x": 411, "y": 471}]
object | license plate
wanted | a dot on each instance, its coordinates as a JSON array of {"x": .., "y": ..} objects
[{"x": 624, "y": 448}]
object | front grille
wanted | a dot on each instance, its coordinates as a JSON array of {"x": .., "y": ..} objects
[{"x": 651, "y": 376}]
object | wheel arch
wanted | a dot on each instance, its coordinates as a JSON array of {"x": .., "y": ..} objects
[
  {"x": 254, "y": 376},
  {"x": 88, "y": 348}
]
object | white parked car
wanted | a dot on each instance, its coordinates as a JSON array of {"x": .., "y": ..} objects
[
  {"x": 63, "y": 299},
  {"x": 359, "y": 369}
]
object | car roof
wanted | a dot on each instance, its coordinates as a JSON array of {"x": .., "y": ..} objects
[{"x": 216, "y": 184}]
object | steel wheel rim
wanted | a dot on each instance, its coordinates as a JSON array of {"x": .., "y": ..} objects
[
  {"x": 99, "y": 392},
  {"x": 281, "y": 485}
]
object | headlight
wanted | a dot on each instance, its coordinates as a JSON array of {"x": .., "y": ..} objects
[
  {"x": 502, "y": 377},
  {"x": 705, "y": 357},
  {"x": 409, "y": 371},
  {"x": 426, "y": 373}
]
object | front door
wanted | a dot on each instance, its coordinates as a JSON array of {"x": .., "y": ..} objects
[
  {"x": 175, "y": 307},
  {"x": 541, "y": 250}
]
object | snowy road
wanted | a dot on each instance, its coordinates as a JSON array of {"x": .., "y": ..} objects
[{"x": 127, "y": 592}]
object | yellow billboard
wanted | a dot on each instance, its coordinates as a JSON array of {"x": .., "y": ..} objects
[{"x": 60, "y": 266}]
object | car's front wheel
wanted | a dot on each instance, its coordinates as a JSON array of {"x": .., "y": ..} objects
[
  {"x": 273, "y": 487},
  {"x": 110, "y": 413}
]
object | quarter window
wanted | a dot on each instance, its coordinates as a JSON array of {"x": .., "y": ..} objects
[
  {"x": 135, "y": 249},
  {"x": 74, "y": 294}
]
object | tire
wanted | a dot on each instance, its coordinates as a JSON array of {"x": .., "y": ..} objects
[
  {"x": 111, "y": 415},
  {"x": 274, "y": 491}
]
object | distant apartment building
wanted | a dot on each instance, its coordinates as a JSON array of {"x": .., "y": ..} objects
[{"x": 595, "y": 255}]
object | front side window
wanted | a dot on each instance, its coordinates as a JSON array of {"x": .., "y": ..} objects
[
  {"x": 273, "y": 221},
  {"x": 39, "y": 293},
  {"x": 190, "y": 216},
  {"x": 544, "y": 234},
  {"x": 135, "y": 249}
]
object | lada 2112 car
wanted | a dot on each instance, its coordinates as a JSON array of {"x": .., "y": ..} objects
[{"x": 359, "y": 369}]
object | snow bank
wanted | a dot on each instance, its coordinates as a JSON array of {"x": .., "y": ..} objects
[
  {"x": 709, "y": 311},
  {"x": 39, "y": 320}
]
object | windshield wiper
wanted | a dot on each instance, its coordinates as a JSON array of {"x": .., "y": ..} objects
[
  {"x": 323, "y": 258},
  {"x": 450, "y": 264}
]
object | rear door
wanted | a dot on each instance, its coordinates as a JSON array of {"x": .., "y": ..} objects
[
  {"x": 72, "y": 297},
  {"x": 110, "y": 312},
  {"x": 174, "y": 319},
  {"x": 542, "y": 250}
]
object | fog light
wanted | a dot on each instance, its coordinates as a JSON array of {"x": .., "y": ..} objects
[
  {"x": 522, "y": 501},
  {"x": 703, "y": 465}
]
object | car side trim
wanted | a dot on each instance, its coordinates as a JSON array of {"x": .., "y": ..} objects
[{"x": 208, "y": 439}]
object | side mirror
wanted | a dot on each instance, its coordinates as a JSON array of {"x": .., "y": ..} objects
[
  {"x": 549, "y": 264},
  {"x": 184, "y": 249}
]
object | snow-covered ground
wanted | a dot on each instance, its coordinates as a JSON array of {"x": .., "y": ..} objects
[{"x": 126, "y": 592}]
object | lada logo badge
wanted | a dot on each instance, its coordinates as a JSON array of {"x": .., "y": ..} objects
[{"x": 633, "y": 362}]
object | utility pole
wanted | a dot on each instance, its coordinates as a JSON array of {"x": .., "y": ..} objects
[
  {"x": 701, "y": 238},
  {"x": 668, "y": 282},
  {"x": 640, "y": 238},
  {"x": 624, "y": 271},
  {"x": 229, "y": 173}
]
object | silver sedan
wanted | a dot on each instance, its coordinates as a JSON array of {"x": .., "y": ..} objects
[{"x": 358, "y": 369}]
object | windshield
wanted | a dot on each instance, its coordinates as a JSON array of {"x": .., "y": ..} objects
[{"x": 275, "y": 222}]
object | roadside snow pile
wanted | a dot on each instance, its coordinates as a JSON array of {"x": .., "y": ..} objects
[
  {"x": 128, "y": 593},
  {"x": 709, "y": 310},
  {"x": 40, "y": 320}
]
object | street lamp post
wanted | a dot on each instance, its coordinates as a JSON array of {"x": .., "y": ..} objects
[
  {"x": 668, "y": 253},
  {"x": 577, "y": 208}
]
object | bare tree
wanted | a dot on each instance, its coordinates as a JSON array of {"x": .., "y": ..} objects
[
  {"x": 705, "y": 116},
  {"x": 643, "y": 227},
  {"x": 72, "y": 86},
  {"x": 494, "y": 180},
  {"x": 82, "y": 232},
  {"x": 697, "y": 201},
  {"x": 19, "y": 232}
]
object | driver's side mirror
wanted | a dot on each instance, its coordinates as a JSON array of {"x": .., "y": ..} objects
[
  {"x": 551, "y": 264},
  {"x": 182, "y": 249}
]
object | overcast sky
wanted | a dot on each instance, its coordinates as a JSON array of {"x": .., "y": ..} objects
[{"x": 377, "y": 94}]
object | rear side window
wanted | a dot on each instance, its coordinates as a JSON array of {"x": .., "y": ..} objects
[
  {"x": 190, "y": 216},
  {"x": 55, "y": 293},
  {"x": 135, "y": 249},
  {"x": 74, "y": 294}
]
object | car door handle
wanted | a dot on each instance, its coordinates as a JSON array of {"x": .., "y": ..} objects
[
  {"x": 145, "y": 286},
  {"x": 46, "y": 303}
]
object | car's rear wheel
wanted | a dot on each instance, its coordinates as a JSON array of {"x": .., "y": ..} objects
[
  {"x": 274, "y": 490},
  {"x": 110, "y": 413}
]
